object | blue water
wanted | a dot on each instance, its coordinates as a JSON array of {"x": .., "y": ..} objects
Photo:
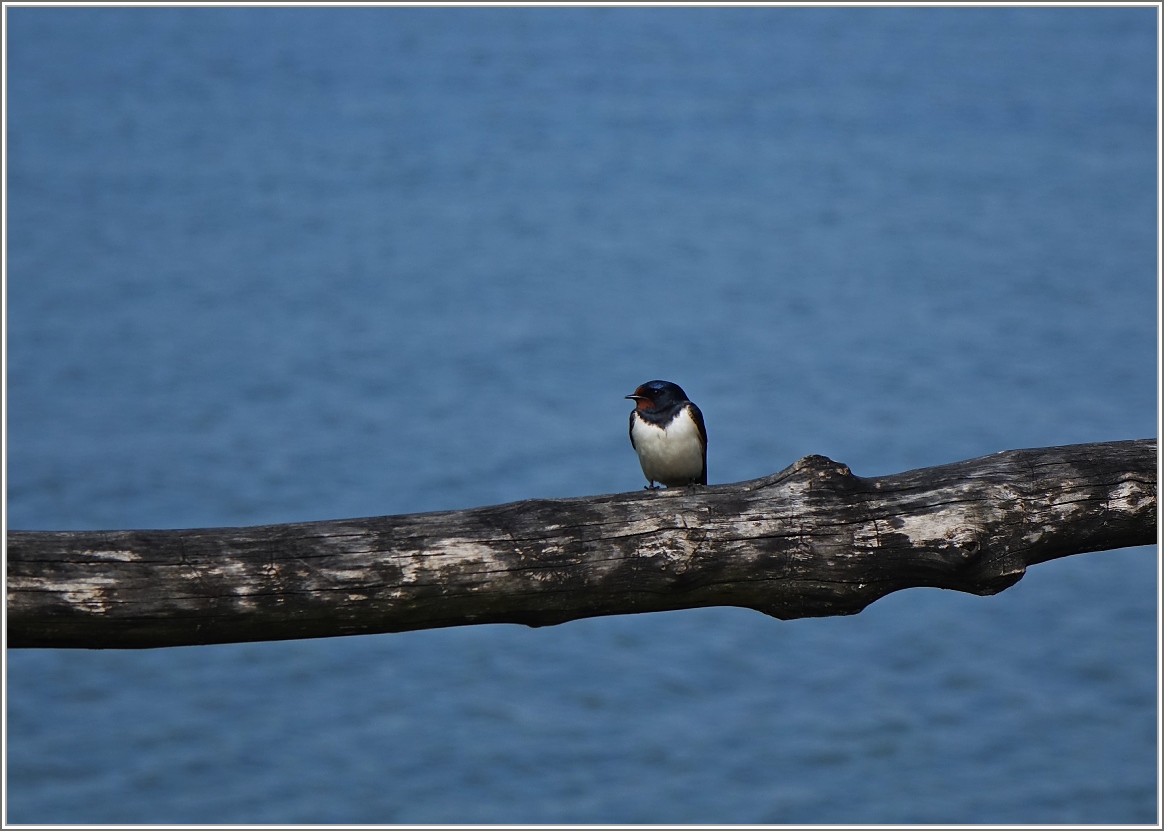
[{"x": 269, "y": 265}]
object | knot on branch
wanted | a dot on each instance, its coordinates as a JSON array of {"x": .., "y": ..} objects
[
  {"x": 822, "y": 467},
  {"x": 813, "y": 467}
]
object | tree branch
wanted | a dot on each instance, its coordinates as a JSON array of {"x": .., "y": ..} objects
[{"x": 811, "y": 540}]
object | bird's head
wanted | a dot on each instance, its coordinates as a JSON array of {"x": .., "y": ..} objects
[{"x": 657, "y": 395}]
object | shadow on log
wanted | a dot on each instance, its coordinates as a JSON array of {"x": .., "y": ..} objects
[{"x": 812, "y": 540}]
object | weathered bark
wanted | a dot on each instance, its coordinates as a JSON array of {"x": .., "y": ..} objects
[{"x": 812, "y": 540}]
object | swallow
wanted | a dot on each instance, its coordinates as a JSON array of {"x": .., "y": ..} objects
[{"x": 667, "y": 432}]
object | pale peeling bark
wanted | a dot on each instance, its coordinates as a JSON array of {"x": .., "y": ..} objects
[{"x": 812, "y": 540}]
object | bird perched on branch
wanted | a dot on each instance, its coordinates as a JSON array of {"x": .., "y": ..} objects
[{"x": 667, "y": 432}]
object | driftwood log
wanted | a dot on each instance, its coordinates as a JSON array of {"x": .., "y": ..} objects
[{"x": 811, "y": 540}]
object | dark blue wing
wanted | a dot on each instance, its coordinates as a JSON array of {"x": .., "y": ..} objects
[{"x": 698, "y": 417}]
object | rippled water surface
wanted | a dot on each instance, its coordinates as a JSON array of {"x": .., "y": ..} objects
[{"x": 269, "y": 265}]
